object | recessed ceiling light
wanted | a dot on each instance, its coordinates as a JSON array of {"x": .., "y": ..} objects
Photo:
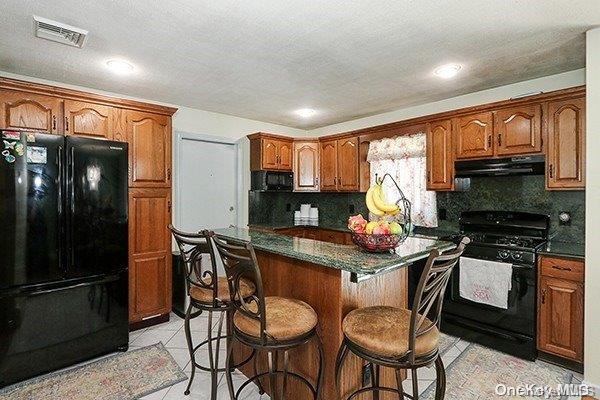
[
  {"x": 120, "y": 67},
  {"x": 306, "y": 112},
  {"x": 447, "y": 71}
]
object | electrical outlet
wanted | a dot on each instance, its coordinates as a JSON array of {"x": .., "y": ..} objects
[{"x": 366, "y": 375}]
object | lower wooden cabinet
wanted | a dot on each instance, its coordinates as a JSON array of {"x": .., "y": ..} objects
[
  {"x": 324, "y": 235},
  {"x": 561, "y": 307},
  {"x": 149, "y": 253}
]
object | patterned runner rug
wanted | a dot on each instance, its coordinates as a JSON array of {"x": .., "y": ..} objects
[
  {"x": 476, "y": 372},
  {"x": 122, "y": 376}
]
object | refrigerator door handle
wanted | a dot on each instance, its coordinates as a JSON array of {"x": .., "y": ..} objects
[
  {"x": 72, "y": 205},
  {"x": 60, "y": 205},
  {"x": 90, "y": 282}
]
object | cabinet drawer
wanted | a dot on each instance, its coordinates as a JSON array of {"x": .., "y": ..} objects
[{"x": 562, "y": 268}]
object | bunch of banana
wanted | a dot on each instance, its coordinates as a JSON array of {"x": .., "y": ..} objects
[{"x": 377, "y": 204}]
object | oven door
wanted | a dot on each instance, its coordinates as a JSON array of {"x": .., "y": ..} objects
[{"x": 519, "y": 317}]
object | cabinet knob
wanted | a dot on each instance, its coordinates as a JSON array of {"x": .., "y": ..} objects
[
  {"x": 66, "y": 123},
  {"x": 490, "y": 141},
  {"x": 499, "y": 140},
  {"x": 54, "y": 122},
  {"x": 551, "y": 171}
]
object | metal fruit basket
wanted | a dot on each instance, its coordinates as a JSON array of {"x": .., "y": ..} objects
[
  {"x": 377, "y": 243},
  {"x": 382, "y": 243}
]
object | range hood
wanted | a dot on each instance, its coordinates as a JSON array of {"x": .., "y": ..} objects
[{"x": 524, "y": 165}]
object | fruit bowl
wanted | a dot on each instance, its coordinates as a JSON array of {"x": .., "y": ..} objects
[{"x": 376, "y": 243}]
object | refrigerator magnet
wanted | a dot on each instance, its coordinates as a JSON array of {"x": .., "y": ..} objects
[
  {"x": 13, "y": 135},
  {"x": 37, "y": 155},
  {"x": 9, "y": 158},
  {"x": 31, "y": 137}
]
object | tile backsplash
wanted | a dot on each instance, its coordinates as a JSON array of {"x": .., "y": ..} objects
[{"x": 513, "y": 193}]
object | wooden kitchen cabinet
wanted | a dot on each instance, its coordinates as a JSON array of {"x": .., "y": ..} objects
[
  {"x": 440, "y": 156},
  {"x": 339, "y": 165},
  {"x": 474, "y": 136},
  {"x": 306, "y": 166},
  {"x": 518, "y": 130},
  {"x": 271, "y": 152},
  {"x": 561, "y": 307},
  {"x": 565, "y": 160},
  {"x": 88, "y": 119},
  {"x": 150, "y": 253},
  {"x": 24, "y": 110},
  {"x": 149, "y": 138}
]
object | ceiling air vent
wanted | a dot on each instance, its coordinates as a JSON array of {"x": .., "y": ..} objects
[{"x": 59, "y": 32}]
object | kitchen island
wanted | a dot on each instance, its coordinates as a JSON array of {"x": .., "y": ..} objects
[{"x": 334, "y": 279}]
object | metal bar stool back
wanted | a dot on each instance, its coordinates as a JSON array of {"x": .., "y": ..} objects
[
  {"x": 255, "y": 323},
  {"x": 411, "y": 341},
  {"x": 209, "y": 293}
]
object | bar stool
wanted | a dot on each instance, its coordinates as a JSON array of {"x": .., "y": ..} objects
[
  {"x": 272, "y": 324},
  {"x": 400, "y": 338},
  {"x": 207, "y": 292}
]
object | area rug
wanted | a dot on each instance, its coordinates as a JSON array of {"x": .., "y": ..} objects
[
  {"x": 475, "y": 374},
  {"x": 123, "y": 376}
]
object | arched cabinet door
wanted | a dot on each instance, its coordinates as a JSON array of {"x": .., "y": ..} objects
[
  {"x": 474, "y": 136},
  {"x": 329, "y": 165},
  {"x": 22, "y": 110},
  {"x": 440, "y": 163},
  {"x": 285, "y": 152},
  {"x": 348, "y": 164},
  {"x": 306, "y": 166},
  {"x": 566, "y": 144},
  {"x": 149, "y": 138},
  {"x": 519, "y": 130},
  {"x": 88, "y": 119}
]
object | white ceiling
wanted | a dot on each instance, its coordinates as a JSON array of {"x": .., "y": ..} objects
[{"x": 264, "y": 59}]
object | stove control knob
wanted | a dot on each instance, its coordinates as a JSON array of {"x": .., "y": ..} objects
[
  {"x": 503, "y": 255},
  {"x": 517, "y": 256}
]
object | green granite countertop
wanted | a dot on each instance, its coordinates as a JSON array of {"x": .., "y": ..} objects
[
  {"x": 344, "y": 257},
  {"x": 284, "y": 225},
  {"x": 564, "y": 249}
]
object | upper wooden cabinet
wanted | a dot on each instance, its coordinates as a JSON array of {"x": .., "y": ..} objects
[
  {"x": 306, "y": 166},
  {"x": 23, "y": 110},
  {"x": 566, "y": 144},
  {"x": 329, "y": 165},
  {"x": 270, "y": 152},
  {"x": 561, "y": 307},
  {"x": 440, "y": 157},
  {"x": 339, "y": 165},
  {"x": 518, "y": 130},
  {"x": 88, "y": 119},
  {"x": 149, "y": 138},
  {"x": 474, "y": 136}
]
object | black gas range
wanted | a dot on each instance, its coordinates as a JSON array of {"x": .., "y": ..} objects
[{"x": 509, "y": 237}]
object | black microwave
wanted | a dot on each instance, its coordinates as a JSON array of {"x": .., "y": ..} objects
[{"x": 272, "y": 181}]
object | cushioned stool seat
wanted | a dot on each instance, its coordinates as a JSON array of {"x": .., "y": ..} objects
[
  {"x": 205, "y": 295},
  {"x": 286, "y": 319},
  {"x": 384, "y": 331}
]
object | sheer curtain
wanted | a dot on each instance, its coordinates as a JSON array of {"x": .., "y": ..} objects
[{"x": 403, "y": 157}]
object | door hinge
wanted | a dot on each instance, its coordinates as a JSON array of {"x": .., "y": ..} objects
[
  {"x": 66, "y": 123},
  {"x": 551, "y": 171},
  {"x": 54, "y": 122},
  {"x": 169, "y": 205},
  {"x": 169, "y": 174},
  {"x": 499, "y": 140},
  {"x": 489, "y": 140}
]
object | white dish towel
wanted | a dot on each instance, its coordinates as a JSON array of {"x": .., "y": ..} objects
[{"x": 484, "y": 281}]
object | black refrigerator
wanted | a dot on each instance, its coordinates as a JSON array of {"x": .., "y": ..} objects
[{"x": 63, "y": 251}]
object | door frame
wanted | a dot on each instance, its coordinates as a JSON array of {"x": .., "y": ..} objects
[{"x": 180, "y": 137}]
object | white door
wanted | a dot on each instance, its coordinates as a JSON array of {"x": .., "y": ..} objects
[{"x": 206, "y": 184}]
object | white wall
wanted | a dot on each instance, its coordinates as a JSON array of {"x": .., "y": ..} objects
[
  {"x": 592, "y": 212},
  {"x": 202, "y": 122},
  {"x": 545, "y": 84}
]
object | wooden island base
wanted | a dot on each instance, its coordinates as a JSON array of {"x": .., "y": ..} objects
[{"x": 331, "y": 293}]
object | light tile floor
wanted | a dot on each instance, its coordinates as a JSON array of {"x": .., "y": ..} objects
[{"x": 172, "y": 335}]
